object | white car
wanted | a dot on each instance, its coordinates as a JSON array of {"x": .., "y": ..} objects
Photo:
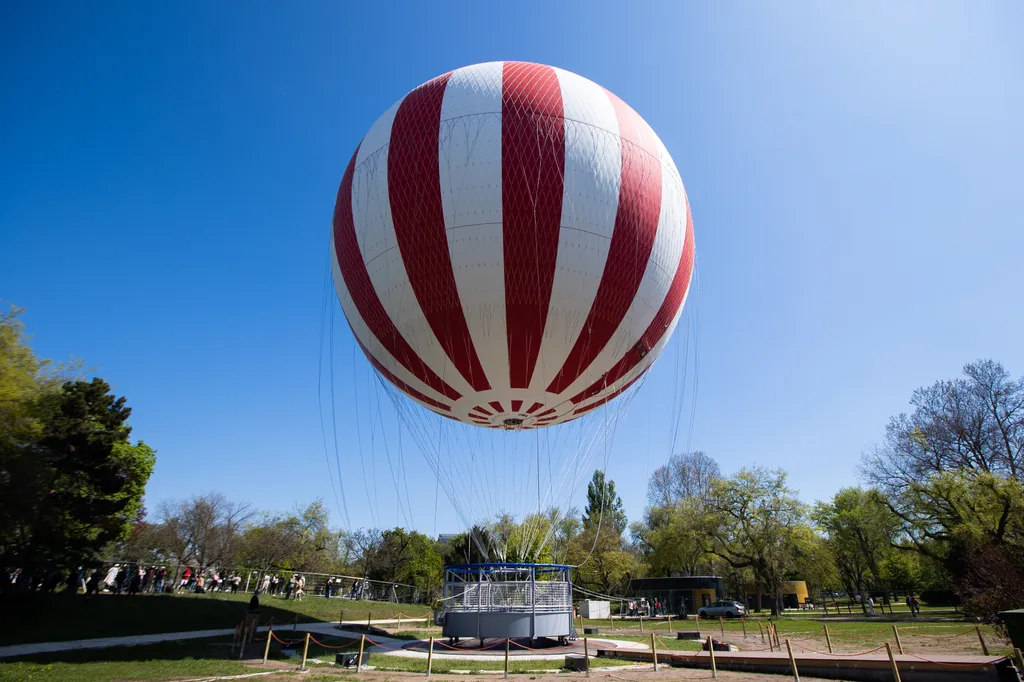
[{"x": 723, "y": 609}]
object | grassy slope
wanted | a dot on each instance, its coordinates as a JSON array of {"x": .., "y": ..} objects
[
  {"x": 172, "y": 660},
  {"x": 55, "y": 617}
]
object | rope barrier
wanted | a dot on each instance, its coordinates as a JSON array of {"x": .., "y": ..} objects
[
  {"x": 825, "y": 653},
  {"x": 560, "y": 648},
  {"x": 885, "y": 631},
  {"x": 382, "y": 646},
  {"x": 329, "y": 646},
  {"x": 960, "y": 634},
  {"x": 949, "y": 663},
  {"x": 284, "y": 642}
]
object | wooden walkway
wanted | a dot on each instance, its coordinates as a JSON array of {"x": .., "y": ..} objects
[{"x": 865, "y": 666}]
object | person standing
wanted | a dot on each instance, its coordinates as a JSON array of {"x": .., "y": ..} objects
[
  {"x": 110, "y": 581},
  {"x": 871, "y": 606},
  {"x": 158, "y": 586}
]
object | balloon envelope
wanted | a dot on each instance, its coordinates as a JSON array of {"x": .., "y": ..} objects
[{"x": 512, "y": 245}]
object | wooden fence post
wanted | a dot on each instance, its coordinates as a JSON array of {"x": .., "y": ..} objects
[
  {"x": 984, "y": 647},
  {"x": 792, "y": 661},
  {"x": 654, "y": 652},
  {"x": 711, "y": 650},
  {"x": 506, "y": 658},
  {"x": 430, "y": 655},
  {"x": 721, "y": 625},
  {"x": 359, "y": 661},
  {"x": 896, "y": 634},
  {"x": 761, "y": 628},
  {"x": 266, "y": 649},
  {"x": 828, "y": 639},
  {"x": 586, "y": 657},
  {"x": 305, "y": 651},
  {"x": 892, "y": 662},
  {"x": 743, "y": 622}
]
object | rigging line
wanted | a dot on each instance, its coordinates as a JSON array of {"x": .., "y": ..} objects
[
  {"x": 606, "y": 440},
  {"x": 403, "y": 475},
  {"x": 319, "y": 394},
  {"x": 407, "y": 515},
  {"x": 696, "y": 357},
  {"x": 607, "y": 454},
  {"x": 371, "y": 502},
  {"x": 437, "y": 486},
  {"x": 405, "y": 409},
  {"x": 334, "y": 417}
]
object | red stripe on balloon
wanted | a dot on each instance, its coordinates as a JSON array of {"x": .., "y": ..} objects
[
  {"x": 402, "y": 386},
  {"x": 532, "y": 169},
  {"x": 659, "y": 325},
  {"x": 636, "y": 224},
  {"x": 364, "y": 297},
  {"x": 611, "y": 396},
  {"x": 517, "y": 405},
  {"x": 414, "y": 189},
  {"x": 534, "y": 408},
  {"x": 496, "y": 405},
  {"x": 481, "y": 409}
]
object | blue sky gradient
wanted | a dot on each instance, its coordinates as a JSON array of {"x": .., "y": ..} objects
[{"x": 856, "y": 172}]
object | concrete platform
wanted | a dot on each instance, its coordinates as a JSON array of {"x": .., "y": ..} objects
[{"x": 863, "y": 667}]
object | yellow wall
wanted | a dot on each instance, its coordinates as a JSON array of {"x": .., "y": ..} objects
[
  {"x": 797, "y": 587},
  {"x": 698, "y": 599}
]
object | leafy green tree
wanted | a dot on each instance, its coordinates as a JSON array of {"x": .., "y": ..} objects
[
  {"x": 860, "y": 530},
  {"x": 603, "y": 563},
  {"x": 757, "y": 522},
  {"x": 84, "y": 487},
  {"x": 604, "y": 505},
  {"x": 952, "y": 471},
  {"x": 677, "y": 538},
  {"x": 675, "y": 534},
  {"x": 402, "y": 556}
]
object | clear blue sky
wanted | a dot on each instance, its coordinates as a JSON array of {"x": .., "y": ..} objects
[{"x": 855, "y": 170}]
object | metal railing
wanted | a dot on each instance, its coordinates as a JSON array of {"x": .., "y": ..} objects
[{"x": 520, "y": 596}]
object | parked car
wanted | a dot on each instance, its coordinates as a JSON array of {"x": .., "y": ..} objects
[{"x": 723, "y": 609}]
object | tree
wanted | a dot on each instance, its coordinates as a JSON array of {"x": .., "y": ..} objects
[
  {"x": 205, "y": 530},
  {"x": 80, "y": 481},
  {"x": 402, "y": 556},
  {"x": 676, "y": 531},
  {"x": 861, "y": 531},
  {"x": 603, "y": 505},
  {"x": 952, "y": 471},
  {"x": 687, "y": 476},
  {"x": 676, "y": 538},
  {"x": 757, "y": 519},
  {"x": 603, "y": 564}
]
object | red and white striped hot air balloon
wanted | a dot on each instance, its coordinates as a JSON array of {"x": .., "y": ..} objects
[{"x": 512, "y": 245}]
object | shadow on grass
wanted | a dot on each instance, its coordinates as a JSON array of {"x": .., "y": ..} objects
[
  {"x": 166, "y": 660},
  {"x": 38, "y": 617}
]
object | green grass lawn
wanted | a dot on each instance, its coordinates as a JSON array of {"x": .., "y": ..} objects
[
  {"x": 166, "y": 661},
  {"x": 55, "y": 617},
  {"x": 787, "y": 625}
]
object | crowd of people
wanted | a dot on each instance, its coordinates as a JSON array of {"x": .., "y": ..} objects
[
  {"x": 131, "y": 578},
  {"x": 643, "y": 607},
  {"x": 200, "y": 581},
  {"x": 293, "y": 587}
]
